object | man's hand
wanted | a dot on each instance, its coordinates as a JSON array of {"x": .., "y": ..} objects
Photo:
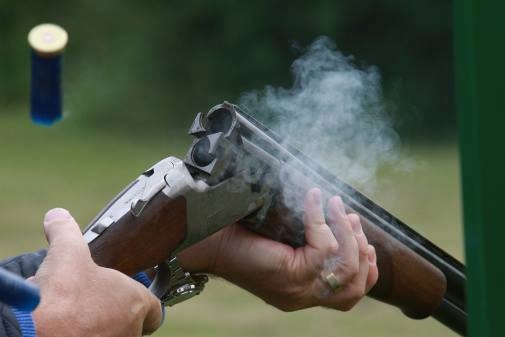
[
  {"x": 288, "y": 278},
  {"x": 79, "y": 298}
]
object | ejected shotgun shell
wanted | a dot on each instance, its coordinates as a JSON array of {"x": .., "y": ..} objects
[{"x": 47, "y": 42}]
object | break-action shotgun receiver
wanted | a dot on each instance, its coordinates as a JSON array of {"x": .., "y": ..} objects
[{"x": 236, "y": 170}]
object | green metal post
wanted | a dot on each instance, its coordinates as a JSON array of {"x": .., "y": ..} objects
[{"x": 480, "y": 83}]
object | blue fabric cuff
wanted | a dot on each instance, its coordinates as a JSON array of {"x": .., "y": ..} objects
[
  {"x": 142, "y": 278},
  {"x": 25, "y": 321}
]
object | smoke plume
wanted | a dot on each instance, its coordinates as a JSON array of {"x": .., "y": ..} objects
[{"x": 334, "y": 113}]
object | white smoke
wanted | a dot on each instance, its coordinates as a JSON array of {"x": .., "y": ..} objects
[{"x": 334, "y": 113}]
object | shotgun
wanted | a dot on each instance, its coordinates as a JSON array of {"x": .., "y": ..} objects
[{"x": 237, "y": 170}]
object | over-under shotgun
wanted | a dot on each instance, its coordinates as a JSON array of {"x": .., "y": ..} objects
[{"x": 237, "y": 170}]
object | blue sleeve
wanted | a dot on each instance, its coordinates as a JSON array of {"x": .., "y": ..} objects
[
  {"x": 142, "y": 278},
  {"x": 25, "y": 265},
  {"x": 25, "y": 321},
  {"x": 16, "y": 323},
  {"x": 9, "y": 326}
]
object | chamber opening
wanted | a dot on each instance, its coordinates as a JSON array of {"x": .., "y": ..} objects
[
  {"x": 200, "y": 153},
  {"x": 219, "y": 120}
]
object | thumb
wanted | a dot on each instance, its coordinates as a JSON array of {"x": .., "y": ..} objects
[{"x": 64, "y": 235}]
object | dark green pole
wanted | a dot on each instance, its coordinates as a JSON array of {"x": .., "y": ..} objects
[{"x": 480, "y": 84}]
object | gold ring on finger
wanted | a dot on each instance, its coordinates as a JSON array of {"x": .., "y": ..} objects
[{"x": 332, "y": 281}]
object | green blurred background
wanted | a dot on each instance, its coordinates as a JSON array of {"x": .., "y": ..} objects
[{"x": 136, "y": 73}]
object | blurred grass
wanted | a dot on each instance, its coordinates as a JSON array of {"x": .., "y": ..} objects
[{"x": 81, "y": 170}]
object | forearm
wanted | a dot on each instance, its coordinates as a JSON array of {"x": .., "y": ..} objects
[{"x": 201, "y": 257}]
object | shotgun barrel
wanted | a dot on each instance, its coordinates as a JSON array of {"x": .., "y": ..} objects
[{"x": 451, "y": 309}]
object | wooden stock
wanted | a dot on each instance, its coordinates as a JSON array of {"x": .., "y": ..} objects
[
  {"x": 134, "y": 244},
  {"x": 406, "y": 280}
]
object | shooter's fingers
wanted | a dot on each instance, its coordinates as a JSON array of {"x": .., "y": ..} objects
[
  {"x": 360, "y": 281},
  {"x": 354, "y": 291},
  {"x": 367, "y": 254},
  {"x": 348, "y": 262},
  {"x": 373, "y": 271},
  {"x": 154, "y": 316},
  {"x": 317, "y": 232},
  {"x": 355, "y": 221}
]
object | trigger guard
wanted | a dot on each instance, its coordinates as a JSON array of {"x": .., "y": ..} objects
[
  {"x": 161, "y": 282},
  {"x": 173, "y": 285}
]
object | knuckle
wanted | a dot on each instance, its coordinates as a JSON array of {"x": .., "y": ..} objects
[
  {"x": 320, "y": 235},
  {"x": 345, "y": 278},
  {"x": 319, "y": 222},
  {"x": 333, "y": 248},
  {"x": 359, "y": 293},
  {"x": 353, "y": 270},
  {"x": 318, "y": 230},
  {"x": 362, "y": 246},
  {"x": 354, "y": 218},
  {"x": 314, "y": 221},
  {"x": 349, "y": 274},
  {"x": 372, "y": 281},
  {"x": 361, "y": 237},
  {"x": 355, "y": 293}
]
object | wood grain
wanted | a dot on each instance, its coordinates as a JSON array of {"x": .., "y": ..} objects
[{"x": 134, "y": 244}]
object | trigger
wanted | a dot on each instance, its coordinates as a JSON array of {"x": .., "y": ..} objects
[{"x": 173, "y": 285}]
